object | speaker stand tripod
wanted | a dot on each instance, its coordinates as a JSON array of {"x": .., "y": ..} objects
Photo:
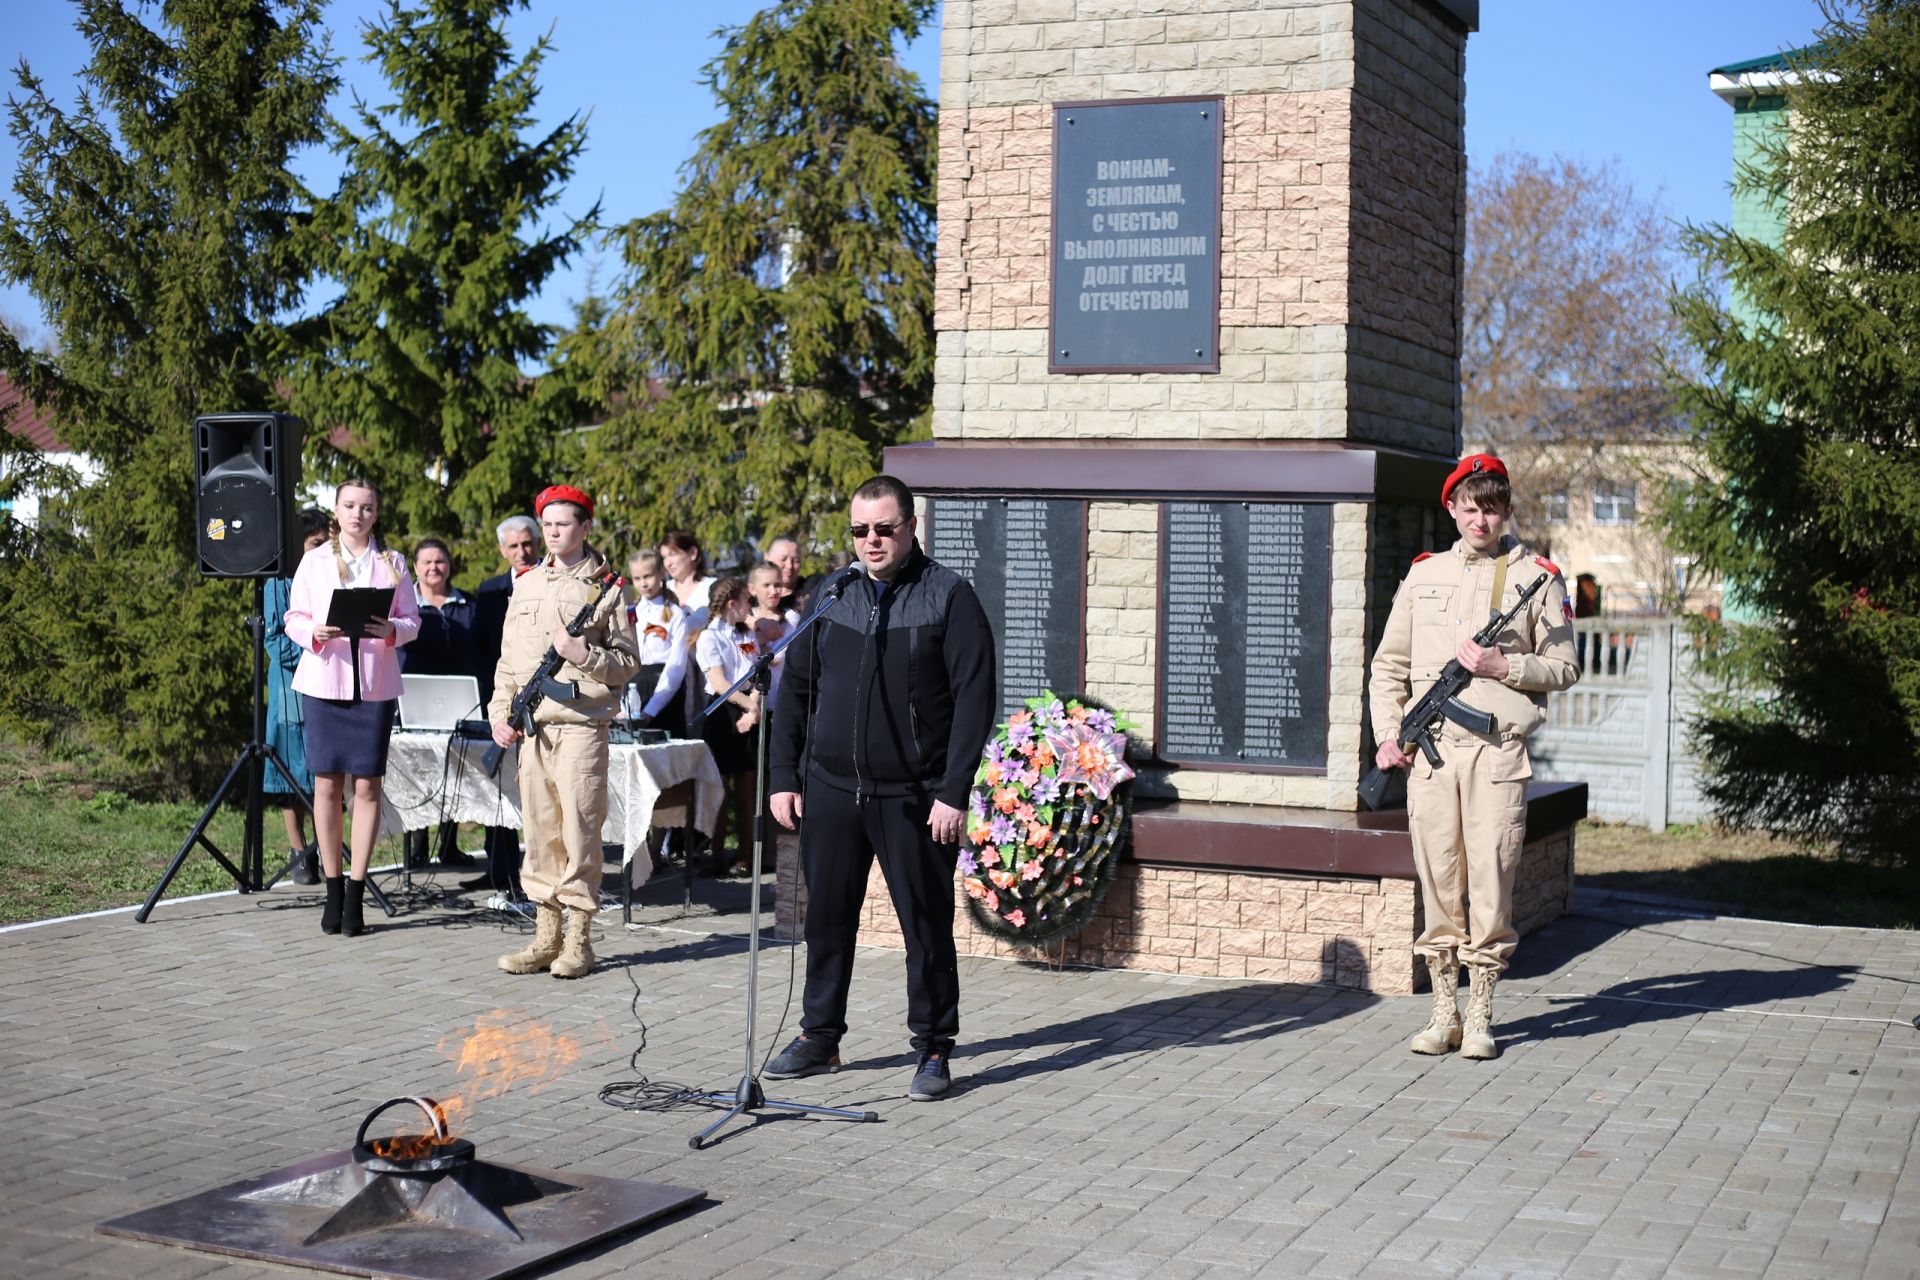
[{"x": 250, "y": 876}]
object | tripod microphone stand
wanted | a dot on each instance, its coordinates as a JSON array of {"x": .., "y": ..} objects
[
  {"x": 250, "y": 876},
  {"x": 747, "y": 1096}
]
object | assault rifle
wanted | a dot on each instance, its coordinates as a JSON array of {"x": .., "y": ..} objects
[
  {"x": 542, "y": 685},
  {"x": 1442, "y": 702}
]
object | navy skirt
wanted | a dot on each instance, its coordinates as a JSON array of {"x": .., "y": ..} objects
[{"x": 346, "y": 735}]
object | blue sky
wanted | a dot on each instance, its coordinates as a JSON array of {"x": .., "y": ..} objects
[{"x": 1623, "y": 81}]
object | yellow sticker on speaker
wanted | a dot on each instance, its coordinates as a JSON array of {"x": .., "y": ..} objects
[{"x": 216, "y": 530}]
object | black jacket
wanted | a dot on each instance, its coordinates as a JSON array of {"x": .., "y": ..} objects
[
  {"x": 490, "y": 601},
  {"x": 892, "y": 695},
  {"x": 444, "y": 646}
]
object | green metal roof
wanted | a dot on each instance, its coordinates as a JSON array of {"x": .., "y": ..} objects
[{"x": 1771, "y": 62}]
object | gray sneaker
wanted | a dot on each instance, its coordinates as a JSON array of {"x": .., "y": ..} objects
[
  {"x": 931, "y": 1079},
  {"x": 303, "y": 865},
  {"x": 803, "y": 1057}
]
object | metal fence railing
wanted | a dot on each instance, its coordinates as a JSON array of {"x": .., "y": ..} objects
[{"x": 1623, "y": 729}]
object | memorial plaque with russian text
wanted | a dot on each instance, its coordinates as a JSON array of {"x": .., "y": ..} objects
[
  {"x": 1245, "y": 591},
  {"x": 1135, "y": 277},
  {"x": 1026, "y": 559}
]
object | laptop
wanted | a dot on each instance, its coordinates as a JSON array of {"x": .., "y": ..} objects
[{"x": 437, "y": 704}]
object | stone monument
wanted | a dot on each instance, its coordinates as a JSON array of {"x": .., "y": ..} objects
[{"x": 1198, "y": 313}]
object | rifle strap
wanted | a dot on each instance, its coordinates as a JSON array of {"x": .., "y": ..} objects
[{"x": 1499, "y": 587}]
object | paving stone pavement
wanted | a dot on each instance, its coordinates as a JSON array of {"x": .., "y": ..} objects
[{"x": 1677, "y": 1097}]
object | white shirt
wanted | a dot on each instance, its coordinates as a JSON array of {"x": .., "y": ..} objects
[
  {"x": 360, "y": 567},
  {"x": 661, "y": 626},
  {"x": 785, "y": 624},
  {"x": 697, "y": 606},
  {"x": 720, "y": 646}
]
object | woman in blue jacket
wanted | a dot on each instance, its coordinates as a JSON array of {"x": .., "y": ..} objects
[{"x": 286, "y": 725}]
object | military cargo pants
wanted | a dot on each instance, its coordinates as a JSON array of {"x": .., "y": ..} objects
[
  {"x": 1468, "y": 819},
  {"x": 563, "y": 805}
]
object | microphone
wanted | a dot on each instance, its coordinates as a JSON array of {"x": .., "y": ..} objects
[{"x": 838, "y": 583}]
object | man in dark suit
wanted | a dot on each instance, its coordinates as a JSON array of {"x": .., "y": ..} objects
[{"x": 519, "y": 538}]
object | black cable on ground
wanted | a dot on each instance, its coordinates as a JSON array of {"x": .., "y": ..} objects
[{"x": 643, "y": 1094}]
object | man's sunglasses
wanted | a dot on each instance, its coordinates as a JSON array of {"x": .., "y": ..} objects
[{"x": 883, "y": 530}]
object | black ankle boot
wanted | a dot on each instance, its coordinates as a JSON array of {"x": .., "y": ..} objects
[
  {"x": 352, "y": 922},
  {"x": 330, "y": 914}
]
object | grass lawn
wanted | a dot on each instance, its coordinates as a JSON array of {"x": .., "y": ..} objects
[
  {"x": 74, "y": 843},
  {"x": 1749, "y": 873}
]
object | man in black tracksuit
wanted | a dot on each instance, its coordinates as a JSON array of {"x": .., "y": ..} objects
[{"x": 883, "y": 710}]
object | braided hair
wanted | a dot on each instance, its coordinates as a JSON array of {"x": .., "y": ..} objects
[{"x": 333, "y": 528}]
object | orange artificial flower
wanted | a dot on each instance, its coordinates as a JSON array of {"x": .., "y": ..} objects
[
  {"x": 1005, "y": 799},
  {"x": 1038, "y": 834}
]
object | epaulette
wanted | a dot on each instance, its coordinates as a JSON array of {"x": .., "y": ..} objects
[
  {"x": 1424, "y": 555},
  {"x": 1548, "y": 565}
]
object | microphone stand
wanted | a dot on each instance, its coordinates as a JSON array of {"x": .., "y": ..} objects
[{"x": 747, "y": 1096}]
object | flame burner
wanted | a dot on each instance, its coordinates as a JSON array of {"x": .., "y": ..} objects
[{"x": 421, "y": 1206}]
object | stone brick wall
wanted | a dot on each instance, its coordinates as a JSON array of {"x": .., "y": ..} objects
[
  {"x": 1123, "y": 566},
  {"x": 1343, "y": 203},
  {"x": 1355, "y": 932},
  {"x": 1543, "y": 886},
  {"x": 1011, "y": 52}
]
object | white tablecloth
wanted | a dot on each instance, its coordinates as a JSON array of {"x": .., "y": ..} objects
[{"x": 432, "y": 778}]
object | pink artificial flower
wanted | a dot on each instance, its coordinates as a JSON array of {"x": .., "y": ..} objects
[
  {"x": 1032, "y": 870},
  {"x": 1086, "y": 756},
  {"x": 1017, "y": 918}
]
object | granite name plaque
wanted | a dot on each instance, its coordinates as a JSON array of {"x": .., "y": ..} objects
[
  {"x": 1135, "y": 265},
  {"x": 1026, "y": 559},
  {"x": 1246, "y": 600}
]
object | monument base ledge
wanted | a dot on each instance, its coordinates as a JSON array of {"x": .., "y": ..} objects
[{"x": 1257, "y": 891}]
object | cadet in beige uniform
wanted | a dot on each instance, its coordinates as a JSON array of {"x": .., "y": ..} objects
[
  {"x": 1468, "y": 815},
  {"x": 563, "y": 763}
]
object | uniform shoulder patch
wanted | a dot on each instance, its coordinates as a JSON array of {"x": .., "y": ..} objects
[
  {"x": 1548, "y": 565},
  {"x": 1424, "y": 555}
]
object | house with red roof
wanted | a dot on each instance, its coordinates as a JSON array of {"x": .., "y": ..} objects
[{"x": 29, "y": 422}]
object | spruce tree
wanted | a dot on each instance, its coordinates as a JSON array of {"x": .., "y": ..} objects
[
  {"x": 1807, "y": 503},
  {"x": 420, "y": 361},
  {"x": 772, "y": 331},
  {"x": 160, "y": 229}
]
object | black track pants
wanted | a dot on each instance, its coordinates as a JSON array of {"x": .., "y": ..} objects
[{"x": 839, "y": 840}]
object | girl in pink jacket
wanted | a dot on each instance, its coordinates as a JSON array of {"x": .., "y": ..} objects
[{"x": 350, "y": 685}]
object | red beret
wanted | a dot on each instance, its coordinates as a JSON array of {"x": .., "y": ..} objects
[
  {"x": 1472, "y": 464},
  {"x": 563, "y": 493}
]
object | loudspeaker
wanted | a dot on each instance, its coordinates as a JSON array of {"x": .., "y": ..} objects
[{"x": 246, "y": 473}]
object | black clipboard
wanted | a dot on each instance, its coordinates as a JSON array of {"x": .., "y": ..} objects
[{"x": 352, "y": 607}]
